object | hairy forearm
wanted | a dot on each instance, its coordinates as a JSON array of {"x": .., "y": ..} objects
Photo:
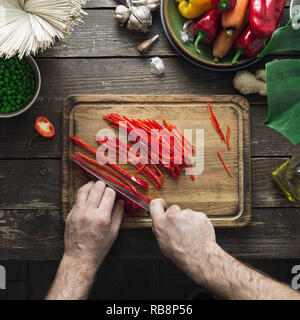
[
  {"x": 73, "y": 280},
  {"x": 230, "y": 279}
]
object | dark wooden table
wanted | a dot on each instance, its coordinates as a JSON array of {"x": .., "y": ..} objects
[{"x": 101, "y": 57}]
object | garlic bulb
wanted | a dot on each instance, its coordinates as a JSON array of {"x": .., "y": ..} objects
[
  {"x": 137, "y": 13},
  {"x": 152, "y": 5},
  {"x": 140, "y": 19},
  {"x": 122, "y": 14}
]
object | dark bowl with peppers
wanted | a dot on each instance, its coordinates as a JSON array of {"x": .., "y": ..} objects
[
  {"x": 20, "y": 83},
  {"x": 208, "y": 44}
]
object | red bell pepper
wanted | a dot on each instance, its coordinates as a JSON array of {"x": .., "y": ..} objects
[
  {"x": 280, "y": 4},
  {"x": 207, "y": 28},
  {"x": 44, "y": 128},
  {"x": 248, "y": 45},
  {"x": 223, "y": 5},
  {"x": 263, "y": 18}
]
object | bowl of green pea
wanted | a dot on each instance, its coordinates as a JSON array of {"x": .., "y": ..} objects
[{"x": 20, "y": 83}]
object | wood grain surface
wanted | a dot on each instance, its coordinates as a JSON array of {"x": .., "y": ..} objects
[
  {"x": 226, "y": 200},
  {"x": 30, "y": 196}
]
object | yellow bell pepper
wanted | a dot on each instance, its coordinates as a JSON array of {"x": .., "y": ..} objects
[{"x": 191, "y": 9}]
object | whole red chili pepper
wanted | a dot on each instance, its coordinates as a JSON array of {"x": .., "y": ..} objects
[
  {"x": 223, "y": 5},
  {"x": 263, "y": 18},
  {"x": 207, "y": 28},
  {"x": 247, "y": 44}
]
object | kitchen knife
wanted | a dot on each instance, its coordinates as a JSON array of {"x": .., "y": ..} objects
[{"x": 131, "y": 196}]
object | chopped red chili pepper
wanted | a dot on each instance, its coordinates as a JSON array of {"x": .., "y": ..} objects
[
  {"x": 215, "y": 123},
  {"x": 138, "y": 181},
  {"x": 108, "y": 169},
  {"x": 94, "y": 170},
  {"x": 227, "y": 138},
  {"x": 140, "y": 169},
  {"x": 131, "y": 208},
  {"x": 118, "y": 145},
  {"x": 44, "y": 128},
  {"x": 172, "y": 150},
  {"x": 224, "y": 164}
]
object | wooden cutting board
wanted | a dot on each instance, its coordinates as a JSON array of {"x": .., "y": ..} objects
[{"x": 225, "y": 200}]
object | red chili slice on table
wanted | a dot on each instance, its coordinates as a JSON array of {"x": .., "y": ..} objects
[{"x": 44, "y": 128}]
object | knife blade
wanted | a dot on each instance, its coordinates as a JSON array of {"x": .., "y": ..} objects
[{"x": 131, "y": 196}]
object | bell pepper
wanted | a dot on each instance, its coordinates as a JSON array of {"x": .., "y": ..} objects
[
  {"x": 207, "y": 28},
  {"x": 193, "y": 8},
  {"x": 223, "y": 5},
  {"x": 247, "y": 44},
  {"x": 262, "y": 18},
  {"x": 44, "y": 128}
]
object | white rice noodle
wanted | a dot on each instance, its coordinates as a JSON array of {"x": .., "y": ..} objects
[{"x": 27, "y": 26}]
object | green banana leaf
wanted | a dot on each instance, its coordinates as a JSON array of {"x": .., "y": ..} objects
[
  {"x": 283, "y": 40},
  {"x": 283, "y": 87}
]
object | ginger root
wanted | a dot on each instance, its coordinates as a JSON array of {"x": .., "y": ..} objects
[
  {"x": 247, "y": 83},
  {"x": 261, "y": 75}
]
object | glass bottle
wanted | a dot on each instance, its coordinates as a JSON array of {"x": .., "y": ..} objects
[{"x": 287, "y": 177}]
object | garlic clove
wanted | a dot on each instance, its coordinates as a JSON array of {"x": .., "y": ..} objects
[
  {"x": 122, "y": 14},
  {"x": 145, "y": 46},
  {"x": 152, "y": 5},
  {"x": 187, "y": 32},
  {"x": 157, "y": 66}
]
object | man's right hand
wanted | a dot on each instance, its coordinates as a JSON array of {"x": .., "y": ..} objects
[{"x": 184, "y": 236}]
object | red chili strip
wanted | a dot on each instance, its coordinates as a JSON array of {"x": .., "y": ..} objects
[
  {"x": 154, "y": 176},
  {"x": 187, "y": 147},
  {"x": 120, "y": 147},
  {"x": 224, "y": 164},
  {"x": 140, "y": 169},
  {"x": 99, "y": 173},
  {"x": 138, "y": 181},
  {"x": 108, "y": 169},
  {"x": 227, "y": 138},
  {"x": 179, "y": 135},
  {"x": 215, "y": 123},
  {"x": 131, "y": 208}
]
